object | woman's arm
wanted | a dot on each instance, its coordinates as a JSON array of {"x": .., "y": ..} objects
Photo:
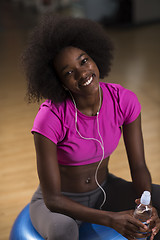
[
  {"x": 133, "y": 139},
  {"x": 49, "y": 175},
  {"x": 140, "y": 175}
]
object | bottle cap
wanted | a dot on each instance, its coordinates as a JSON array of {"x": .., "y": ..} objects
[{"x": 145, "y": 198}]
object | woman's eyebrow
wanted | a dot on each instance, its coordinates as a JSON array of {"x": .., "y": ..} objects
[
  {"x": 82, "y": 54},
  {"x": 64, "y": 68}
]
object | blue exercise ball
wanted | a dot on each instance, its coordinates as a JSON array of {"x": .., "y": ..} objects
[
  {"x": 90, "y": 231},
  {"x": 23, "y": 229}
]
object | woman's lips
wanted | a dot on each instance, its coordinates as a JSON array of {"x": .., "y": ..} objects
[{"x": 87, "y": 81}]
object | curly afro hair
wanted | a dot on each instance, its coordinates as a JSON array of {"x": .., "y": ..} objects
[{"x": 47, "y": 39}]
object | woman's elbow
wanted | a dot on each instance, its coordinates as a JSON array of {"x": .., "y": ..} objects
[{"x": 53, "y": 203}]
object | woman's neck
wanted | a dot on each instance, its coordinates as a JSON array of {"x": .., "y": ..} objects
[{"x": 89, "y": 105}]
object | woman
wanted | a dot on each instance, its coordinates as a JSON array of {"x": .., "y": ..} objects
[{"x": 76, "y": 130}]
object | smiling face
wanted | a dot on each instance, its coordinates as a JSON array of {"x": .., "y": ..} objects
[{"x": 77, "y": 71}]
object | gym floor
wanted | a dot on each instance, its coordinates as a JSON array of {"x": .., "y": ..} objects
[{"x": 136, "y": 66}]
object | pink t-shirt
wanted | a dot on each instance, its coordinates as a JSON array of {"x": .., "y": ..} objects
[{"x": 57, "y": 122}]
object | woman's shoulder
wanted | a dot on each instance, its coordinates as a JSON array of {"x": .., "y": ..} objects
[
  {"x": 123, "y": 100},
  {"x": 114, "y": 87},
  {"x": 116, "y": 90},
  {"x": 49, "y": 121},
  {"x": 52, "y": 106},
  {"x": 60, "y": 111},
  {"x": 55, "y": 108}
]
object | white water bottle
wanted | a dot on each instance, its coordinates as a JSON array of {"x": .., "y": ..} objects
[{"x": 143, "y": 211}]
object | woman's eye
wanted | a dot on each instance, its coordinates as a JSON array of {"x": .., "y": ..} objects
[
  {"x": 84, "y": 61},
  {"x": 68, "y": 73}
]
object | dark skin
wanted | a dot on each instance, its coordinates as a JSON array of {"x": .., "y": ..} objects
[{"x": 79, "y": 74}]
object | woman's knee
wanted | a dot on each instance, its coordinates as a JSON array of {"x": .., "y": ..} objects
[
  {"x": 64, "y": 228},
  {"x": 52, "y": 226}
]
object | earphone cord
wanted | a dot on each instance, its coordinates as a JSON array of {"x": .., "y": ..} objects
[
  {"x": 96, "y": 173},
  {"x": 94, "y": 139}
]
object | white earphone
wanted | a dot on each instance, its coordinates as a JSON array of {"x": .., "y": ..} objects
[{"x": 94, "y": 139}]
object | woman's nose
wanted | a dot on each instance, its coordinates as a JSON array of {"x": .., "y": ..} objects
[{"x": 80, "y": 73}]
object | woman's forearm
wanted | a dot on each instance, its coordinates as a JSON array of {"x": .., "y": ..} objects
[
  {"x": 141, "y": 179},
  {"x": 64, "y": 205}
]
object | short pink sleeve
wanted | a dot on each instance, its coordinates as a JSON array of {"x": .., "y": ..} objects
[
  {"x": 48, "y": 124},
  {"x": 129, "y": 105}
]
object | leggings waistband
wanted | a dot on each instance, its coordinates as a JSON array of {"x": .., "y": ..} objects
[
  {"x": 38, "y": 193},
  {"x": 84, "y": 194}
]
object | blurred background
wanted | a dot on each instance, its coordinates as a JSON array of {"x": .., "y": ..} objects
[{"x": 134, "y": 27}]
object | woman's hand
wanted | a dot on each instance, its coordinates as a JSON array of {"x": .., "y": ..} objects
[
  {"x": 128, "y": 226},
  {"x": 154, "y": 223}
]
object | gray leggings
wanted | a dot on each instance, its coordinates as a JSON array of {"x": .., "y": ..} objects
[{"x": 54, "y": 226}]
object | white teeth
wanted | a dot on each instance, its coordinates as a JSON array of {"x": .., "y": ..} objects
[{"x": 88, "y": 82}]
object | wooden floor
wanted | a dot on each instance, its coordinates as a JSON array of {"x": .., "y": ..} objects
[{"x": 136, "y": 66}]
